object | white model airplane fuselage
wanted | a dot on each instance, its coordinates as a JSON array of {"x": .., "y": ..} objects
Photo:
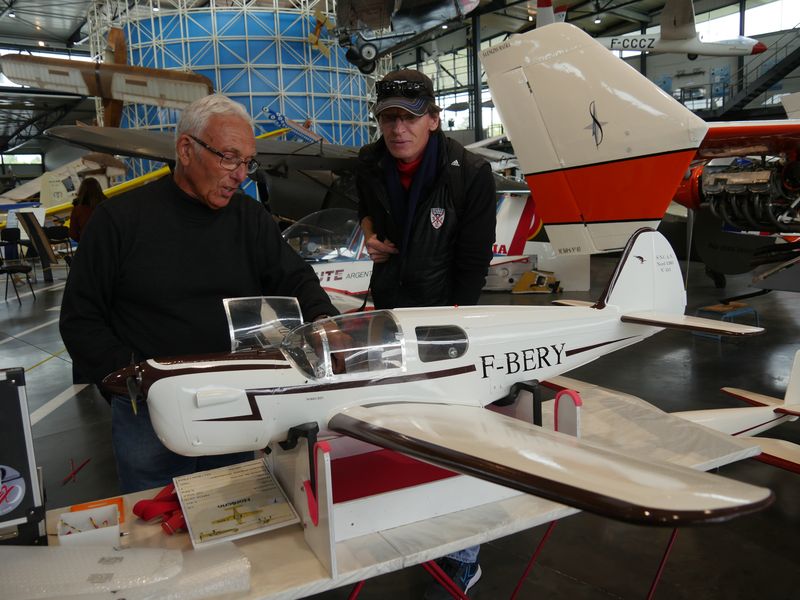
[
  {"x": 417, "y": 380},
  {"x": 694, "y": 47},
  {"x": 679, "y": 34}
]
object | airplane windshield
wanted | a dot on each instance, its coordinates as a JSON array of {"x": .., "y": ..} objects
[
  {"x": 328, "y": 234},
  {"x": 347, "y": 344},
  {"x": 258, "y": 322}
]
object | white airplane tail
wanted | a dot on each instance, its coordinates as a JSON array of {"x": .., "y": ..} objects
[
  {"x": 603, "y": 149},
  {"x": 793, "y": 388},
  {"x": 647, "y": 278},
  {"x": 647, "y": 289}
]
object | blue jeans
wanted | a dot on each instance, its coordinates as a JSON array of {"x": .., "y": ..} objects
[
  {"x": 143, "y": 462},
  {"x": 467, "y": 555}
]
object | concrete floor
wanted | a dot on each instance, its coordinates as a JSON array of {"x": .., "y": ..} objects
[{"x": 756, "y": 556}]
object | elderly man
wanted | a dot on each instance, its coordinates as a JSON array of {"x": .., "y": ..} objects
[
  {"x": 427, "y": 208},
  {"x": 154, "y": 265}
]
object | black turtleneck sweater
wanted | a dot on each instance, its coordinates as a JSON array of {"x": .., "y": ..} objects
[{"x": 152, "y": 269}]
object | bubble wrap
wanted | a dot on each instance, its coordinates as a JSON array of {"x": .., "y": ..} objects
[
  {"x": 30, "y": 572},
  {"x": 219, "y": 569}
]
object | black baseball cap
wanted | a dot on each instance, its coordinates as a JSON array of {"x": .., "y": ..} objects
[{"x": 407, "y": 89}]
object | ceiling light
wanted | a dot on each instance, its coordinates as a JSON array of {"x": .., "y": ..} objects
[
  {"x": 156, "y": 9},
  {"x": 598, "y": 20},
  {"x": 41, "y": 43},
  {"x": 444, "y": 26},
  {"x": 530, "y": 17},
  {"x": 12, "y": 15}
]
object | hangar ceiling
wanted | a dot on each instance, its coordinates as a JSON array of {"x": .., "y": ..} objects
[{"x": 62, "y": 26}]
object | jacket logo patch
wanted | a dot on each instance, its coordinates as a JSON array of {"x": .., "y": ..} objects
[{"x": 437, "y": 217}]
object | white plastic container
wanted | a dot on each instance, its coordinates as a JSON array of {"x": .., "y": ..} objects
[{"x": 92, "y": 527}]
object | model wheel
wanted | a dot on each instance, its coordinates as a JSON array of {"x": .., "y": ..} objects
[
  {"x": 352, "y": 55},
  {"x": 369, "y": 52},
  {"x": 367, "y": 68}
]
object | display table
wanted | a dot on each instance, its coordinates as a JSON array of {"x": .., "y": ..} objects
[{"x": 283, "y": 565}]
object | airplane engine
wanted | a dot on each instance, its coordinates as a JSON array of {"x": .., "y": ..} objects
[
  {"x": 689, "y": 192},
  {"x": 754, "y": 196}
]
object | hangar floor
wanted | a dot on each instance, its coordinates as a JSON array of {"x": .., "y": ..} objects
[{"x": 587, "y": 557}]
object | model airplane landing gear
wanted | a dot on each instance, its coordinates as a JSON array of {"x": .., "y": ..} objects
[
  {"x": 309, "y": 431},
  {"x": 534, "y": 388}
]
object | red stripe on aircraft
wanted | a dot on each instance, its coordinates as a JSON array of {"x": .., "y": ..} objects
[
  {"x": 627, "y": 190},
  {"x": 524, "y": 226}
]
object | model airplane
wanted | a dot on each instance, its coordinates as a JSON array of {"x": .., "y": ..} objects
[
  {"x": 678, "y": 34},
  {"x": 370, "y": 29},
  {"x": 113, "y": 81},
  {"x": 604, "y": 149},
  {"x": 61, "y": 184},
  {"x": 416, "y": 380}
]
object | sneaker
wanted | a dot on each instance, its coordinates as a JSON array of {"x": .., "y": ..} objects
[{"x": 464, "y": 575}]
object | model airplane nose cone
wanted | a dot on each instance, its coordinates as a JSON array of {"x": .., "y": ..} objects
[
  {"x": 116, "y": 382},
  {"x": 759, "y": 48}
]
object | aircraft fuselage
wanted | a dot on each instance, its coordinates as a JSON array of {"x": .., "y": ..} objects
[
  {"x": 740, "y": 46},
  {"x": 463, "y": 355}
]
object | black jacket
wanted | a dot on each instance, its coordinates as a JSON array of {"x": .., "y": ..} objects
[
  {"x": 450, "y": 243},
  {"x": 152, "y": 269}
]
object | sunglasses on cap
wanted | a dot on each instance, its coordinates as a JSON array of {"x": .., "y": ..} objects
[{"x": 409, "y": 89}]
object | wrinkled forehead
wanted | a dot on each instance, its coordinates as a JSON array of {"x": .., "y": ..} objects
[{"x": 230, "y": 133}]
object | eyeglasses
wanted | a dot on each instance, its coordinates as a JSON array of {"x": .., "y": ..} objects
[
  {"x": 406, "y": 118},
  {"x": 229, "y": 161},
  {"x": 409, "y": 89}
]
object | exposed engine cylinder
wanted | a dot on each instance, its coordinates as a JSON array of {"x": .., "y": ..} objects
[{"x": 755, "y": 196}]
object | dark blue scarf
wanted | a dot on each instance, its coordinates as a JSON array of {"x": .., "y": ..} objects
[{"x": 404, "y": 204}]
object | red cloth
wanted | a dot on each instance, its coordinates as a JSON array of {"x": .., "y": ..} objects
[
  {"x": 407, "y": 171},
  {"x": 377, "y": 472},
  {"x": 164, "y": 505}
]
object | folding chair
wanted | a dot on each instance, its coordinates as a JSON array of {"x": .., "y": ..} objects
[{"x": 10, "y": 271}]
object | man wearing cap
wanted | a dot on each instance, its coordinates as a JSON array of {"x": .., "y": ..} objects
[
  {"x": 426, "y": 205},
  {"x": 427, "y": 209}
]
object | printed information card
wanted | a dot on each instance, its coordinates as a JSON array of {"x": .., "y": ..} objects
[{"x": 232, "y": 502}]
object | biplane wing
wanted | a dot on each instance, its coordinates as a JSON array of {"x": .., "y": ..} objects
[
  {"x": 549, "y": 464},
  {"x": 275, "y": 156},
  {"x": 126, "y": 83}
]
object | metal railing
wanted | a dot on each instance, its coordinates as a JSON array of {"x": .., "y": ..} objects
[{"x": 751, "y": 84}]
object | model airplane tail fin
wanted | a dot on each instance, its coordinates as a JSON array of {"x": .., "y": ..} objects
[
  {"x": 647, "y": 289},
  {"x": 792, "y": 396},
  {"x": 603, "y": 149},
  {"x": 647, "y": 278}
]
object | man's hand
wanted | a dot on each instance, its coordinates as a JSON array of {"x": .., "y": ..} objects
[
  {"x": 380, "y": 251},
  {"x": 340, "y": 344}
]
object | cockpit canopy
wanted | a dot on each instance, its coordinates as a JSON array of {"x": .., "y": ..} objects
[
  {"x": 347, "y": 344},
  {"x": 367, "y": 342},
  {"x": 327, "y": 235}
]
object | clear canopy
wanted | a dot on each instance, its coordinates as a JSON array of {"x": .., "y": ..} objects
[
  {"x": 258, "y": 322},
  {"x": 347, "y": 344},
  {"x": 329, "y": 234}
]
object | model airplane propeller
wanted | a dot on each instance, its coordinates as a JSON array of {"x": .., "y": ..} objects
[{"x": 417, "y": 379}]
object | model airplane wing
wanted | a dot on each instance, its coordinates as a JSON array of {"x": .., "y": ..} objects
[
  {"x": 552, "y": 465},
  {"x": 274, "y": 156}
]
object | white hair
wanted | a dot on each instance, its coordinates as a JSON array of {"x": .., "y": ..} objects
[{"x": 195, "y": 117}]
